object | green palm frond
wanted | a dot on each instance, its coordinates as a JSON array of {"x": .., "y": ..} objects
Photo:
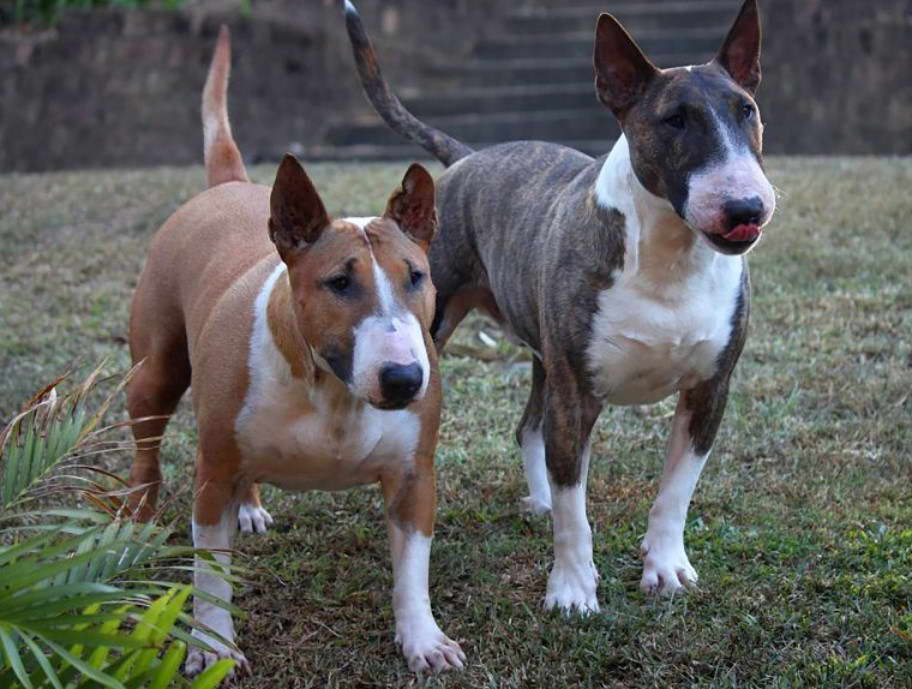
[
  {"x": 104, "y": 653},
  {"x": 78, "y": 586},
  {"x": 50, "y": 432}
]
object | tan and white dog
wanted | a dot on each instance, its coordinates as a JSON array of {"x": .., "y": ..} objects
[{"x": 306, "y": 342}]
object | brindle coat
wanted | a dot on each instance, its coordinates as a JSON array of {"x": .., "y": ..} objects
[{"x": 524, "y": 237}]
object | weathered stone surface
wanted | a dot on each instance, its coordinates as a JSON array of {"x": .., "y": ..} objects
[
  {"x": 837, "y": 76},
  {"x": 122, "y": 88}
]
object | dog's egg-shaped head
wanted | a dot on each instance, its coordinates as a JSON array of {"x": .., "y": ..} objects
[
  {"x": 694, "y": 133},
  {"x": 360, "y": 287}
]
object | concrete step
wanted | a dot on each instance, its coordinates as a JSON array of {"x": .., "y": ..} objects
[
  {"x": 704, "y": 40},
  {"x": 593, "y": 123},
  {"x": 409, "y": 152},
  {"x": 484, "y": 101},
  {"x": 542, "y": 72},
  {"x": 637, "y": 17},
  {"x": 534, "y": 79}
]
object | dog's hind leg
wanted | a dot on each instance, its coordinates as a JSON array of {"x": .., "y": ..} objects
[
  {"x": 252, "y": 516},
  {"x": 152, "y": 396},
  {"x": 532, "y": 444}
]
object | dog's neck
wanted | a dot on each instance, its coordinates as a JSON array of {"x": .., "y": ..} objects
[
  {"x": 657, "y": 241},
  {"x": 285, "y": 332}
]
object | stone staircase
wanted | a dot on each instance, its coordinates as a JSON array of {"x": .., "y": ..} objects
[{"x": 533, "y": 79}]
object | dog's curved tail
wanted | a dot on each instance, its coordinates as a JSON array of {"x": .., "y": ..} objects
[
  {"x": 223, "y": 159},
  {"x": 443, "y": 147}
]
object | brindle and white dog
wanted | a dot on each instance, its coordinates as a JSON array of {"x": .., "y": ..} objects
[{"x": 625, "y": 275}]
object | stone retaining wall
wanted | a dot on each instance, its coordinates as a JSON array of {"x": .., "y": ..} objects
[{"x": 121, "y": 88}]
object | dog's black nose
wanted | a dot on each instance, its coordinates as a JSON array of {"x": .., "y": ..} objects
[
  {"x": 744, "y": 212},
  {"x": 400, "y": 383}
]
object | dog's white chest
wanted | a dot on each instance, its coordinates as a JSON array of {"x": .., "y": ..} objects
[
  {"x": 651, "y": 340},
  {"x": 295, "y": 437}
]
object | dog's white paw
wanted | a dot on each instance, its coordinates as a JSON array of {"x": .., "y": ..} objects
[
  {"x": 534, "y": 505},
  {"x": 253, "y": 518},
  {"x": 199, "y": 659},
  {"x": 572, "y": 589},
  {"x": 430, "y": 650},
  {"x": 666, "y": 569}
]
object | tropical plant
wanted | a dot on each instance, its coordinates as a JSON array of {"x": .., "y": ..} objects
[{"x": 83, "y": 602}]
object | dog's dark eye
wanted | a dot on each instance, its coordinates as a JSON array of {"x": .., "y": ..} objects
[
  {"x": 676, "y": 121},
  {"x": 416, "y": 277},
  {"x": 747, "y": 111},
  {"x": 338, "y": 284}
]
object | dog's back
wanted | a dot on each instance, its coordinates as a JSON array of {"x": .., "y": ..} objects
[
  {"x": 193, "y": 261},
  {"x": 523, "y": 184}
]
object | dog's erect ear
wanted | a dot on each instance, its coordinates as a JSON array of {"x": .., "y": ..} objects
[
  {"x": 412, "y": 206},
  {"x": 740, "y": 53},
  {"x": 297, "y": 215},
  {"x": 622, "y": 71}
]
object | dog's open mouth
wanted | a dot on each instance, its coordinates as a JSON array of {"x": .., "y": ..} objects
[
  {"x": 743, "y": 233},
  {"x": 735, "y": 241},
  {"x": 386, "y": 405}
]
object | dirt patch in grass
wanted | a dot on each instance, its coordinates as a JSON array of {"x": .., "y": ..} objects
[{"x": 801, "y": 528}]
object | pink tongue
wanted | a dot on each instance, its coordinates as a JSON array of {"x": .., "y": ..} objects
[{"x": 742, "y": 233}]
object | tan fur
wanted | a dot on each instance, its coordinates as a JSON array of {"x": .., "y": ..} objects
[
  {"x": 459, "y": 306},
  {"x": 223, "y": 159},
  {"x": 285, "y": 332},
  {"x": 204, "y": 298},
  {"x": 201, "y": 311}
]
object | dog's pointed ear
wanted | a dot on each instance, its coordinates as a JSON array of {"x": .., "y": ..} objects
[
  {"x": 622, "y": 71},
  {"x": 740, "y": 53},
  {"x": 412, "y": 206},
  {"x": 296, "y": 214}
]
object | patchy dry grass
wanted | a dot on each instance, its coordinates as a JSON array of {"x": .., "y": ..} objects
[{"x": 801, "y": 528}]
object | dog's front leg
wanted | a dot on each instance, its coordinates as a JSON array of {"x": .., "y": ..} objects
[
  {"x": 666, "y": 568},
  {"x": 410, "y": 503},
  {"x": 568, "y": 418},
  {"x": 214, "y": 526}
]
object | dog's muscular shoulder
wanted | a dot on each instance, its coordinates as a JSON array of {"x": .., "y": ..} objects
[{"x": 512, "y": 224}]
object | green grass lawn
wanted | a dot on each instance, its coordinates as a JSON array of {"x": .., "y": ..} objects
[{"x": 801, "y": 528}]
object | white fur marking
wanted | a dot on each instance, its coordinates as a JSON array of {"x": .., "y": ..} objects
[
  {"x": 573, "y": 579},
  {"x": 392, "y": 335},
  {"x": 385, "y": 339},
  {"x": 424, "y": 645},
  {"x": 217, "y": 537},
  {"x": 210, "y": 130},
  {"x": 533, "y": 453},
  {"x": 666, "y": 568},
  {"x": 614, "y": 189},
  {"x": 384, "y": 289},
  {"x": 662, "y": 324},
  {"x": 253, "y": 518},
  {"x": 360, "y": 222},
  {"x": 737, "y": 176}
]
